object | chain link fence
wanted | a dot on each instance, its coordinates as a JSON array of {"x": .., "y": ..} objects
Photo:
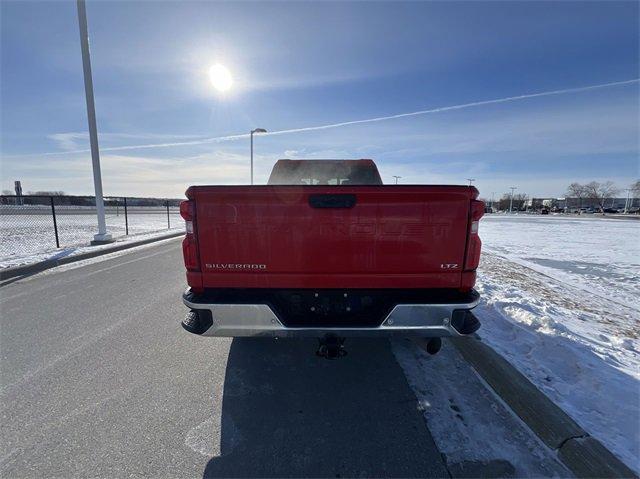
[{"x": 37, "y": 224}]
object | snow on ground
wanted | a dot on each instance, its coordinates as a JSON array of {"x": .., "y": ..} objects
[
  {"x": 477, "y": 435},
  {"x": 560, "y": 302},
  {"x": 599, "y": 255},
  {"x": 54, "y": 253},
  {"x": 28, "y": 238}
]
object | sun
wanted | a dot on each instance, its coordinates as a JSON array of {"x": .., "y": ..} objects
[{"x": 220, "y": 77}]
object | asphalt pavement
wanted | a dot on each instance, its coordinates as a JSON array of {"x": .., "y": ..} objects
[{"x": 99, "y": 379}]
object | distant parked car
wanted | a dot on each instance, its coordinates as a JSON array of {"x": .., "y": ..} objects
[
  {"x": 544, "y": 211},
  {"x": 610, "y": 210}
]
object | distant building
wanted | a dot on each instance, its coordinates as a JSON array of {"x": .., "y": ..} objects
[{"x": 577, "y": 203}]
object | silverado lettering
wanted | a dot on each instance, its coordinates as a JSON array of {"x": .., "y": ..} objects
[{"x": 234, "y": 266}]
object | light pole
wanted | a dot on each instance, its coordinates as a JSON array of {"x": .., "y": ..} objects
[
  {"x": 512, "y": 188},
  {"x": 102, "y": 236},
  {"x": 471, "y": 180},
  {"x": 626, "y": 203},
  {"x": 397, "y": 178},
  {"x": 257, "y": 130}
]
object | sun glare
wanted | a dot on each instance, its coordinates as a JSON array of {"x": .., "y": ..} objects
[{"x": 220, "y": 77}]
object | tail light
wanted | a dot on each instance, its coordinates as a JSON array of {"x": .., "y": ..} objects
[
  {"x": 188, "y": 213},
  {"x": 190, "y": 241},
  {"x": 472, "y": 258}
]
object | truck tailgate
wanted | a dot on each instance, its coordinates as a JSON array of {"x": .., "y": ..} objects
[{"x": 332, "y": 236}]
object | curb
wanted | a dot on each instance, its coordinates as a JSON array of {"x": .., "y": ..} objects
[
  {"x": 30, "y": 269},
  {"x": 583, "y": 455}
]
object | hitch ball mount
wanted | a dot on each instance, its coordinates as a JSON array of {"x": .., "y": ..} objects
[{"x": 331, "y": 347}]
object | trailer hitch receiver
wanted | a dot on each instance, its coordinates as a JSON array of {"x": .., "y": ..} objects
[{"x": 331, "y": 347}]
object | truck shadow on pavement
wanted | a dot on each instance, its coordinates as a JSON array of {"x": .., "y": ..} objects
[{"x": 287, "y": 412}]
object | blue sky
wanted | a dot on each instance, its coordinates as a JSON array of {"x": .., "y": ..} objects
[{"x": 298, "y": 65}]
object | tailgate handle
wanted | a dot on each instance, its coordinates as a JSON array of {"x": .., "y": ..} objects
[{"x": 332, "y": 201}]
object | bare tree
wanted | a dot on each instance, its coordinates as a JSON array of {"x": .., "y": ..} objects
[
  {"x": 46, "y": 193},
  {"x": 600, "y": 191},
  {"x": 635, "y": 189},
  {"x": 519, "y": 200},
  {"x": 576, "y": 190}
]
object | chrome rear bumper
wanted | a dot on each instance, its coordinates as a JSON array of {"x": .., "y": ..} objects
[{"x": 423, "y": 320}]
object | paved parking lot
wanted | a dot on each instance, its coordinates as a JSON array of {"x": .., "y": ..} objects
[{"x": 99, "y": 379}]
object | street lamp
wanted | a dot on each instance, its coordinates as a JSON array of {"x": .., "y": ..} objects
[
  {"x": 471, "y": 180},
  {"x": 512, "y": 188},
  {"x": 626, "y": 203},
  {"x": 397, "y": 178},
  {"x": 257, "y": 130},
  {"x": 102, "y": 236}
]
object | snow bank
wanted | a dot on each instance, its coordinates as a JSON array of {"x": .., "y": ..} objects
[{"x": 560, "y": 302}]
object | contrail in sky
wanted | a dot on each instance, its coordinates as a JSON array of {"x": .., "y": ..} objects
[{"x": 220, "y": 139}]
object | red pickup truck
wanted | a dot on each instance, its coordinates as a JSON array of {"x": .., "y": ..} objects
[{"x": 326, "y": 250}]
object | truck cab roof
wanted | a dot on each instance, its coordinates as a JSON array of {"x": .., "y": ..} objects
[{"x": 325, "y": 172}]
